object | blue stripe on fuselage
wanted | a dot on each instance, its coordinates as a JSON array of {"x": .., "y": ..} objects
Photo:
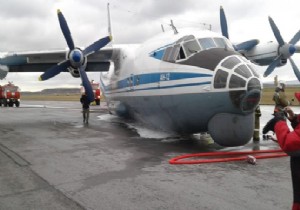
[{"x": 154, "y": 78}]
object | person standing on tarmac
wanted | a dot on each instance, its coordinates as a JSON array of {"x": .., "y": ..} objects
[
  {"x": 279, "y": 97},
  {"x": 85, "y": 108},
  {"x": 289, "y": 142}
]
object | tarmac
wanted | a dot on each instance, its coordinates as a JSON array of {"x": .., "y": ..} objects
[{"x": 49, "y": 159}]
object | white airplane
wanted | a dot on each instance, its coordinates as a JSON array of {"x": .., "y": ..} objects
[{"x": 187, "y": 81}]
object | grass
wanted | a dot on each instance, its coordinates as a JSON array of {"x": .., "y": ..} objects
[
  {"x": 37, "y": 97},
  {"x": 266, "y": 99},
  {"x": 267, "y": 95}
]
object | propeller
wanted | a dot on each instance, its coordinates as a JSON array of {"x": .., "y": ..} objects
[
  {"x": 223, "y": 22},
  {"x": 286, "y": 50},
  {"x": 247, "y": 45},
  {"x": 76, "y": 58}
]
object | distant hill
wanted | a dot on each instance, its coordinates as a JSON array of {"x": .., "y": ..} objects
[
  {"x": 54, "y": 91},
  {"x": 291, "y": 83}
]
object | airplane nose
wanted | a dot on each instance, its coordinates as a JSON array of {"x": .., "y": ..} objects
[
  {"x": 250, "y": 101},
  {"x": 242, "y": 81}
]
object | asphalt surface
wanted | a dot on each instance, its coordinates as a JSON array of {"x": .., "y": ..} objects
[{"x": 50, "y": 160}]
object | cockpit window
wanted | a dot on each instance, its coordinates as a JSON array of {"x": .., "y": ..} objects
[
  {"x": 230, "y": 62},
  {"x": 253, "y": 70},
  {"x": 167, "y": 54},
  {"x": 243, "y": 70},
  {"x": 220, "y": 79},
  {"x": 191, "y": 47},
  {"x": 171, "y": 53},
  {"x": 181, "y": 54},
  {"x": 207, "y": 43},
  {"x": 174, "y": 53},
  {"x": 254, "y": 84},
  {"x": 220, "y": 42},
  {"x": 236, "y": 82},
  {"x": 185, "y": 38}
]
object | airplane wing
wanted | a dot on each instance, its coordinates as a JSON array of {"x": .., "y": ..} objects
[{"x": 40, "y": 61}]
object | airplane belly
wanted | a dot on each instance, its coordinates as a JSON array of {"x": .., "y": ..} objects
[{"x": 184, "y": 114}]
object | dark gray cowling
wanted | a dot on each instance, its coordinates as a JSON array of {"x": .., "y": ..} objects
[{"x": 231, "y": 130}]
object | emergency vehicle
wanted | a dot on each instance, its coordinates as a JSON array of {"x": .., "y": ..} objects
[
  {"x": 96, "y": 90},
  {"x": 9, "y": 95}
]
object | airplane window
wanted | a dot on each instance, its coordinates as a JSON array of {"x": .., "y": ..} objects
[
  {"x": 230, "y": 62},
  {"x": 174, "y": 53},
  {"x": 181, "y": 54},
  {"x": 185, "y": 38},
  {"x": 171, "y": 53},
  {"x": 254, "y": 84},
  {"x": 220, "y": 42},
  {"x": 253, "y": 70},
  {"x": 191, "y": 47},
  {"x": 236, "y": 82},
  {"x": 220, "y": 79},
  {"x": 243, "y": 70},
  {"x": 207, "y": 43},
  {"x": 167, "y": 54}
]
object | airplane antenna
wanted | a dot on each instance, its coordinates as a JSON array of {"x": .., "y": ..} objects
[
  {"x": 162, "y": 28},
  {"x": 173, "y": 27}
]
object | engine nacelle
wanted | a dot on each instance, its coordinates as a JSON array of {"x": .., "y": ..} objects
[
  {"x": 77, "y": 60},
  {"x": 74, "y": 72},
  {"x": 282, "y": 62},
  {"x": 264, "y": 54},
  {"x": 3, "y": 71}
]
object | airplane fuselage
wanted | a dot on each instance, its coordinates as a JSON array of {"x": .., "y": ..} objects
[{"x": 186, "y": 83}]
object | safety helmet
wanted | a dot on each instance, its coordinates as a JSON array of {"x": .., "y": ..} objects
[{"x": 281, "y": 84}]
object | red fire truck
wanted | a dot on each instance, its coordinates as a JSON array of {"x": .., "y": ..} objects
[
  {"x": 96, "y": 90},
  {"x": 9, "y": 95}
]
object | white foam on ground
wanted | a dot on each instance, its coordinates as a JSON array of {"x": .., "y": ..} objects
[
  {"x": 148, "y": 132},
  {"x": 108, "y": 118},
  {"x": 142, "y": 131}
]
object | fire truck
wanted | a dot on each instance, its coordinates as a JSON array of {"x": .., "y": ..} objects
[
  {"x": 9, "y": 95},
  {"x": 96, "y": 90}
]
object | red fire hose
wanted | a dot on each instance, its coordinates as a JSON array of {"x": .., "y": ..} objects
[{"x": 226, "y": 156}]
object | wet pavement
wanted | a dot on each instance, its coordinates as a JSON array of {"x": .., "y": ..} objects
[{"x": 50, "y": 160}]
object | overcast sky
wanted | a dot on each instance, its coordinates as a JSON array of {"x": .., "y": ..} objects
[{"x": 33, "y": 25}]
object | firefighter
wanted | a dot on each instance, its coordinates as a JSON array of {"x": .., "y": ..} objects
[
  {"x": 289, "y": 142},
  {"x": 280, "y": 98},
  {"x": 85, "y": 107}
]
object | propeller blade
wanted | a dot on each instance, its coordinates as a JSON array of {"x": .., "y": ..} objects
[
  {"x": 55, "y": 70},
  {"x": 97, "y": 45},
  {"x": 65, "y": 29},
  {"x": 276, "y": 32},
  {"x": 223, "y": 22},
  {"x": 87, "y": 85},
  {"x": 295, "y": 68},
  {"x": 295, "y": 39},
  {"x": 272, "y": 66},
  {"x": 247, "y": 45}
]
